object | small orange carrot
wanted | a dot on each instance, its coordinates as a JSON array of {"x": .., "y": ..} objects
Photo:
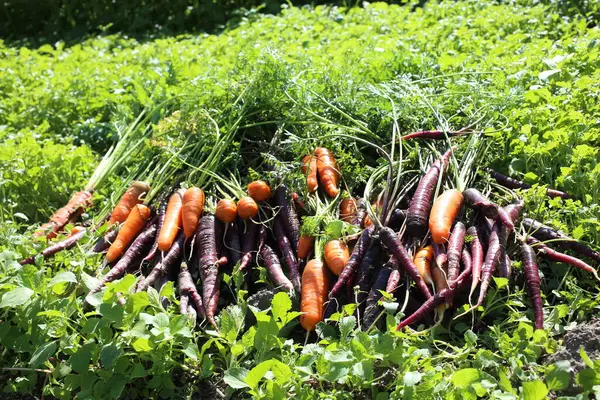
[
  {"x": 247, "y": 208},
  {"x": 131, "y": 197},
  {"x": 328, "y": 171},
  {"x": 172, "y": 221},
  {"x": 348, "y": 209},
  {"x": 312, "y": 183},
  {"x": 305, "y": 163},
  {"x": 226, "y": 211},
  {"x": 305, "y": 245},
  {"x": 131, "y": 227},
  {"x": 191, "y": 210},
  {"x": 422, "y": 261},
  {"x": 259, "y": 190},
  {"x": 443, "y": 213},
  {"x": 315, "y": 283},
  {"x": 336, "y": 255}
]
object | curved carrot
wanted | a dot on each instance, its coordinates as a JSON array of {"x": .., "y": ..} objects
[
  {"x": 131, "y": 227},
  {"x": 422, "y": 260},
  {"x": 532, "y": 277},
  {"x": 348, "y": 210},
  {"x": 312, "y": 184},
  {"x": 443, "y": 213},
  {"x": 315, "y": 282},
  {"x": 336, "y": 255},
  {"x": 172, "y": 221},
  {"x": 328, "y": 171},
  {"x": 129, "y": 200},
  {"x": 455, "y": 248},
  {"x": 74, "y": 208},
  {"x": 191, "y": 210}
]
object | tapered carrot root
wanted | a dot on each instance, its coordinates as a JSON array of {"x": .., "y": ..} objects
[
  {"x": 74, "y": 208},
  {"x": 273, "y": 266},
  {"x": 348, "y": 210},
  {"x": 394, "y": 280},
  {"x": 513, "y": 183},
  {"x": 553, "y": 255},
  {"x": 435, "y": 134},
  {"x": 477, "y": 256},
  {"x": 422, "y": 260},
  {"x": 170, "y": 260},
  {"x": 187, "y": 289},
  {"x": 455, "y": 247},
  {"x": 287, "y": 214},
  {"x": 361, "y": 246},
  {"x": 248, "y": 244},
  {"x": 336, "y": 256},
  {"x": 366, "y": 270},
  {"x": 305, "y": 246},
  {"x": 372, "y": 308},
  {"x": 315, "y": 282},
  {"x": 191, "y": 210},
  {"x": 532, "y": 277},
  {"x": 172, "y": 222},
  {"x": 160, "y": 219},
  {"x": 312, "y": 183},
  {"x": 130, "y": 199},
  {"x": 475, "y": 199},
  {"x": 327, "y": 170},
  {"x": 105, "y": 241},
  {"x": 131, "y": 227},
  {"x": 288, "y": 254},
  {"x": 65, "y": 244},
  {"x": 492, "y": 259},
  {"x": 443, "y": 213}
]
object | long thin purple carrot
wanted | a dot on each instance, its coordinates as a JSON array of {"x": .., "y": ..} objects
[
  {"x": 435, "y": 134},
  {"x": 361, "y": 210},
  {"x": 232, "y": 243},
  {"x": 49, "y": 251},
  {"x": 288, "y": 215},
  {"x": 395, "y": 276},
  {"x": 372, "y": 308},
  {"x": 365, "y": 271},
  {"x": 248, "y": 244},
  {"x": 513, "y": 183},
  {"x": 273, "y": 266},
  {"x": 288, "y": 254},
  {"x": 186, "y": 286},
  {"x": 390, "y": 239},
  {"x": 475, "y": 199},
  {"x": 532, "y": 277},
  {"x": 440, "y": 254},
  {"x": 455, "y": 247},
  {"x": 170, "y": 260},
  {"x": 553, "y": 255},
  {"x": 505, "y": 265},
  {"x": 105, "y": 241},
  {"x": 477, "y": 255},
  {"x": 492, "y": 258}
]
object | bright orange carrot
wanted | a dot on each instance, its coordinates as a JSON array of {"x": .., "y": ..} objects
[
  {"x": 312, "y": 183},
  {"x": 226, "y": 211},
  {"x": 422, "y": 261},
  {"x": 247, "y": 208},
  {"x": 328, "y": 171},
  {"x": 131, "y": 227},
  {"x": 305, "y": 163},
  {"x": 131, "y": 197},
  {"x": 348, "y": 209},
  {"x": 315, "y": 283},
  {"x": 259, "y": 190},
  {"x": 69, "y": 213},
  {"x": 336, "y": 255},
  {"x": 443, "y": 213},
  {"x": 305, "y": 245},
  {"x": 191, "y": 210},
  {"x": 172, "y": 221}
]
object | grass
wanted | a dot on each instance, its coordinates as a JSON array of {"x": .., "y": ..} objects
[{"x": 305, "y": 75}]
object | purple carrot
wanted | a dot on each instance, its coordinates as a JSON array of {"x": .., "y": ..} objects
[
  {"x": 390, "y": 239},
  {"x": 248, "y": 244},
  {"x": 184, "y": 300},
  {"x": 289, "y": 217},
  {"x": 532, "y": 277},
  {"x": 133, "y": 256},
  {"x": 436, "y": 135},
  {"x": 545, "y": 232},
  {"x": 372, "y": 308},
  {"x": 288, "y": 254},
  {"x": 513, "y": 183},
  {"x": 232, "y": 244},
  {"x": 397, "y": 219},
  {"x": 162, "y": 209},
  {"x": 455, "y": 248},
  {"x": 186, "y": 286},
  {"x": 420, "y": 204},
  {"x": 514, "y": 210},
  {"x": 366, "y": 270},
  {"x": 466, "y": 261},
  {"x": 273, "y": 266},
  {"x": 553, "y": 255},
  {"x": 105, "y": 241},
  {"x": 475, "y": 199},
  {"x": 505, "y": 265},
  {"x": 361, "y": 211},
  {"x": 361, "y": 246},
  {"x": 205, "y": 251},
  {"x": 395, "y": 276},
  {"x": 440, "y": 254},
  {"x": 49, "y": 251},
  {"x": 170, "y": 260},
  {"x": 477, "y": 255},
  {"x": 492, "y": 258}
]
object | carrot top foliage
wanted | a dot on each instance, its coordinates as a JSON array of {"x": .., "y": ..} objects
[{"x": 273, "y": 89}]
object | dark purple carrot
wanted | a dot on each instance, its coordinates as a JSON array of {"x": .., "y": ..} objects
[
  {"x": 492, "y": 258},
  {"x": 553, "y": 255},
  {"x": 455, "y": 248},
  {"x": 532, "y": 277},
  {"x": 397, "y": 219},
  {"x": 248, "y": 244},
  {"x": 372, "y": 308},
  {"x": 288, "y": 254},
  {"x": 361, "y": 246},
  {"x": 232, "y": 244},
  {"x": 184, "y": 300},
  {"x": 162, "y": 209},
  {"x": 395, "y": 277},
  {"x": 288, "y": 215},
  {"x": 205, "y": 251},
  {"x": 418, "y": 211},
  {"x": 132, "y": 257},
  {"x": 467, "y": 263},
  {"x": 390, "y": 239},
  {"x": 65, "y": 244},
  {"x": 505, "y": 266},
  {"x": 514, "y": 210},
  {"x": 513, "y": 183},
  {"x": 440, "y": 254},
  {"x": 477, "y": 255},
  {"x": 545, "y": 232},
  {"x": 273, "y": 266},
  {"x": 169, "y": 261},
  {"x": 365, "y": 271},
  {"x": 475, "y": 199},
  {"x": 186, "y": 286},
  {"x": 361, "y": 211},
  {"x": 436, "y": 135},
  {"x": 105, "y": 241}
]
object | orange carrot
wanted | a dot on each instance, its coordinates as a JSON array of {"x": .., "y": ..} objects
[
  {"x": 422, "y": 261},
  {"x": 305, "y": 245},
  {"x": 443, "y": 213},
  {"x": 226, "y": 211},
  {"x": 312, "y": 183},
  {"x": 131, "y": 227},
  {"x": 128, "y": 201},
  {"x": 247, "y": 208},
  {"x": 259, "y": 190},
  {"x": 348, "y": 209},
  {"x": 439, "y": 278},
  {"x": 172, "y": 221},
  {"x": 191, "y": 210},
  {"x": 74, "y": 208},
  {"x": 336, "y": 255},
  {"x": 305, "y": 163},
  {"x": 315, "y": 283},
  {"x": 328, "y": 171}
]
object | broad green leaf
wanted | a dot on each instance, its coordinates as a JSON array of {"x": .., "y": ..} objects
[
  {"x": 347, "y": 325},
  {"x": 65, "y": 276},
  {"x": 109, "y": 355},
  {"x": 80, "y": 361},
  {"x": 257, "y": 373},
  {"x": 16, "y": 297},
  {"x": 235, "y": 377},
  {"x": 412, "y": 378},
  {"x": 142, "y": 345},
  {"x": 558, "y": 375},
  {"x": 465, "y": 377},
  {"x": 534, "y": 390},
  {"x": 42, "y": 354},
  {"x": 281, "y": 305}
]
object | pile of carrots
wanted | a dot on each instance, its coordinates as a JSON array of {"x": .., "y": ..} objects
[{"x": 439, "y": 248}]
